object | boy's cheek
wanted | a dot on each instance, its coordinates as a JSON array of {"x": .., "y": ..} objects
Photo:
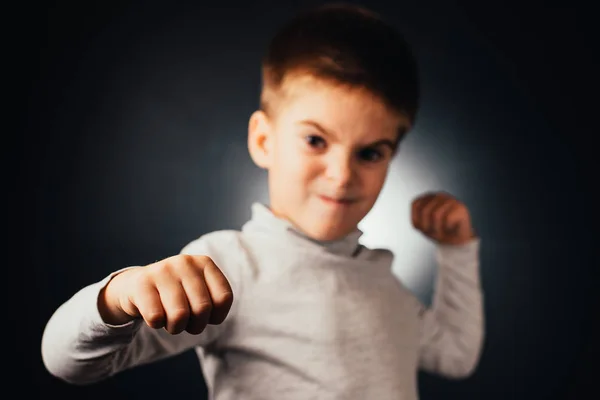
[{"x": 375, "y": 178}]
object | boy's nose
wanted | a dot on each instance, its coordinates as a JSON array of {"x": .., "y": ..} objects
[{"x": 339, "y": 171}]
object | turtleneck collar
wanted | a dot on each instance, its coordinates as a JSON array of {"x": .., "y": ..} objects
[{"x": 263, "y": 220}]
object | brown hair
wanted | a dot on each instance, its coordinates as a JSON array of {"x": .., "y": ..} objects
[{"x": 347, "y": 45}]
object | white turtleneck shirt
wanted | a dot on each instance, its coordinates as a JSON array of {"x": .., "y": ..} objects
[{"x": 310, "y": 320}]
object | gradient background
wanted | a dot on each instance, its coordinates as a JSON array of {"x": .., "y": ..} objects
[{"x": 135, "y": 144}]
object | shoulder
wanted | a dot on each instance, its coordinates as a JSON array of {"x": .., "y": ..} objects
[
  {"x": 214, "y": 243},
  {"x": 379, "y": 255},
  {"x": 225, "y": 249}
]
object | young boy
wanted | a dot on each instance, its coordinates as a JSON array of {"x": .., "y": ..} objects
[{"x": 316, "y": 314}]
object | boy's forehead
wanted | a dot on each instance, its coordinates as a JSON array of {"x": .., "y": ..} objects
[{"x": 305, "y": 96}]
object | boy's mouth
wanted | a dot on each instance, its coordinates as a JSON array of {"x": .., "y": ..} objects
[{"x": 337, "y": 200}]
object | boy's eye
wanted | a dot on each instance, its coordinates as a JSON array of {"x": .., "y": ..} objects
[
  {"x": 315, "y": 141},
  {"x": 370, "y": 155}
]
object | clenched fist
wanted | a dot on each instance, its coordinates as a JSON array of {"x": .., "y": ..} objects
[
  {"x": 442, "y": 218},
  {"x": 182, "y": 292}
]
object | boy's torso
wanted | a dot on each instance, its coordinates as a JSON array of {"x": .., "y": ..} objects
[{"x": 308, "y": 323}]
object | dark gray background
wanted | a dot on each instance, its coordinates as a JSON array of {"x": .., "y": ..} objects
[{"x": 134, "y": 143}]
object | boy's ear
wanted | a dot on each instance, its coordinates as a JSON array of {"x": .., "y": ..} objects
[{"x": 260, "y": 138}]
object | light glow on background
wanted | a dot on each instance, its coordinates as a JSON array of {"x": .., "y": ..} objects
[{"x": 388, "y": 225}]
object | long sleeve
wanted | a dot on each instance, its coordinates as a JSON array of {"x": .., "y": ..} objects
[
  {"x": 80, "y": 348},
  {"x": 452, "y": 330}
]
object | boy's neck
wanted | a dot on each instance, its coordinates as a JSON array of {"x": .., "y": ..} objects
[{"x": 265, "y": 221}]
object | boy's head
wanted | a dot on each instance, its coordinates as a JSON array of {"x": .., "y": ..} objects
[{"x": 339, "y": 91}]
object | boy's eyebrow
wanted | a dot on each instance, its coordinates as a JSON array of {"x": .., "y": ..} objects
[
  {"x": 318, "y": 127},
  {"x": 383, "y": 142}
]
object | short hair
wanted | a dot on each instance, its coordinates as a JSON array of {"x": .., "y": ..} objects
[{"x": 346, "y": 45}]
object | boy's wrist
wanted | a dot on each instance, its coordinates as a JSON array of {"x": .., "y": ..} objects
[{"x": 108, "y": 303}]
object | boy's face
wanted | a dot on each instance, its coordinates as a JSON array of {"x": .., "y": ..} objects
[{"x": 327, "y": 150}]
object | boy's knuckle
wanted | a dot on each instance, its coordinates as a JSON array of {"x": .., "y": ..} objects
[
  {"x": 223, "y": 298},
  {"x": 178, "y": 314},
  {"x": 155, "y": 319},
  {"x": 187, "y": 259},
  {"x": 203, "y": 307}
]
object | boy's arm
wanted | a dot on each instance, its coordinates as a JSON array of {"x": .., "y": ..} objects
[
  {"x": 80, "y": 348},
  {"x": 452, "y": 330}
]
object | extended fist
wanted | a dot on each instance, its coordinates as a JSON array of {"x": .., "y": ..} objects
[
  {"x": 182, "y": 292},
  {"x": 443, "y": 218}
]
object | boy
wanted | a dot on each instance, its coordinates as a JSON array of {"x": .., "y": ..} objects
[{"x": 316, "y": 314}]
